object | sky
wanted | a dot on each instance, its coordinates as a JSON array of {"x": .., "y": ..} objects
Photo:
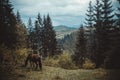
[{"x": 62, "y": 12}]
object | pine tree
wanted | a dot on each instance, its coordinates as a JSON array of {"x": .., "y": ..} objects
[
  {"x": 89, "y": 24},
  {"x": 7, "y": 24},
  {"x": 107, "y": 26},
  {"x": 40, "y": 27},
  {"x": 21, "y": 32},
  {"x": 118, "y": 15},
  {"x": 49, "y": 37},
  {"x": 80, "y": 52},
  {"x": 113, "y": 56},
  {"x": 52, "y": 44},
  {"x": 30, "y": 34},
  {"x": 107, "y": 14},
  {"x": 98, "y": 57},
  {"x": 18, "y": 17},
  {"x": 89, "y": 15}
]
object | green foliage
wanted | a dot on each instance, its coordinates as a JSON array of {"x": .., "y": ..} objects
[
  {"x": 49, "y": 61},
  {"x": 20, "y": 55},
  {"x": 7, "y": 24},
  {"x": 81, "y": 48},
  {"x": 66, "y": 62}
]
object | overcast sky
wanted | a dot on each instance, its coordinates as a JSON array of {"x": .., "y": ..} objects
[{"x": 62, "y": 12}]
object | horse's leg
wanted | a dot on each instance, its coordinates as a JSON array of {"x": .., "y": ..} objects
[
  {"x": 40, "y": 64},
  {"x": 36, "y": 64},
  {"x": 33, "y": 65},
  {"x": 30, "y": 64}
]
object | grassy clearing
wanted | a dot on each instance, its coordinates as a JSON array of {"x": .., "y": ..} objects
[{"x": 53, "y": 73}]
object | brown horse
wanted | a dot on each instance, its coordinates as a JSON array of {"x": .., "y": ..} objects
[{"x": 34, "y": 59}]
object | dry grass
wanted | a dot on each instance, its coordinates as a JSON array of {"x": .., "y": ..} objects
[
  {"x": 54, "y": 73},
  {"x": 88, "y": 64}
]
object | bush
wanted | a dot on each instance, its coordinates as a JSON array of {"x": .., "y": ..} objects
[
  {"x": 49, "y": 61},
  {"x": 66, "y": 62},
  {"x": 6, "y": 56},
  {"x": 20, "y": 55},
  {"x": 88, "y": 64}
]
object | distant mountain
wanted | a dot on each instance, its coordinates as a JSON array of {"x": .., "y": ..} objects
[{"x": 62, "y": 30}]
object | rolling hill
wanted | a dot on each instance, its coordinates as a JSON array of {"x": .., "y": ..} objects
[{"x": 62, "y": 30}]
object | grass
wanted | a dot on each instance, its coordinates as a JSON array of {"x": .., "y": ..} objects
[{"x": 53, "y": 73}]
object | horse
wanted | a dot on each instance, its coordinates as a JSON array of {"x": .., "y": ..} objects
[{"x": 34, "y": 59}]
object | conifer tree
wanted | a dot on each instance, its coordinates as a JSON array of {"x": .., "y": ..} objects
[
  {"x": 107, "y": 26},
  {"x": 113, "y": 56},
  {"x": 21, "y": 32},
  {"x": 30, "y": 34},
  {"x": 118, "y": 15},
  {"x": 18, "y": 17},
  {"x": 7, "y": 24},
  {"x": 80, "y": 52},
  {"x": 40, "y": 27},
  {"x": 89, "y": 24},
  {"x": 49, "y": 37},
  {"x": 52, "y": 43},
  {"x": 89, "y": 14},
  {"x": 98, "y": 57}
]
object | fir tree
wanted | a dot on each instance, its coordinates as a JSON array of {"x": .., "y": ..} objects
[
  {"x": 49, "y": 37},
  {"x": 118, "y": 15},
  {"x": 98, "y": 57},
  {"x": 89, "y": 15},
  {"x": 89, "y": 24},
  {"x": 40, "y": 27},
  {"x": 7, "y": 24},
  {"x": 21, "y": 32},
  {"x": 30, "y": 34},
  {"x": 80, "y": 52},
  {"x": 107, "y": 26},
  {"x": 18, "y": 17},
  {"x": 52, "y": 43},
  {"x": 113, "y": 56}
]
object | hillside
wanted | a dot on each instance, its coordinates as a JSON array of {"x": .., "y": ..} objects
[{"x": 62, "y": 30}]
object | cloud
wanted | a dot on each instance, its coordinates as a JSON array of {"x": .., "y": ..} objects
[{"x": 67, "y": 12}]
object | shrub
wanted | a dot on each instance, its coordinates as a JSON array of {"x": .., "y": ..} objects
[
  {"x": 20, "y": 55},
  {"x": 50, "y": 61},
  {"x": 88, "y": 64},
  {"x": 66, "y": 62}
]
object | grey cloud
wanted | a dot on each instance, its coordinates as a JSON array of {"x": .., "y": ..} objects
[{"x": 67, "y": 12}]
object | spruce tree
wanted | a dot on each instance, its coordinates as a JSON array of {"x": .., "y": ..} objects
[
  {"x": 89, "y": 24},
  {"x": 118, "y": 15},
  {"x": 98, "y": 57},
  {"x": 21, "y": 32},
  {"x": 18, "y": 17},
  {"x": 7, "y": 24},
  {"x": 49, "y": 37},
  {"x": 30, "y": 34},
  {"x": 113, "y": 56},
  {"x": 107, "y": 26},
  {"x": 40, "y": 27},
  {"x": 80, "y": 52},
  {"x": 89, "y": 14}
]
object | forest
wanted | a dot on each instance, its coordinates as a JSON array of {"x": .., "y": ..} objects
[{"x": 93, "y": 49}]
